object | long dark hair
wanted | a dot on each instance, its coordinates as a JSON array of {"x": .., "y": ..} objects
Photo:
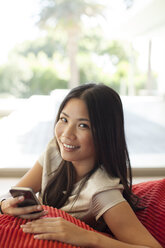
[{"x": 107, "y": 123}]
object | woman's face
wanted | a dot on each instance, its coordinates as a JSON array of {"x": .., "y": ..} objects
[{"x": 74, "y": 135}]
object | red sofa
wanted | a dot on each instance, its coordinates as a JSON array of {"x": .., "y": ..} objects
[{"x": 153, "y": 218}]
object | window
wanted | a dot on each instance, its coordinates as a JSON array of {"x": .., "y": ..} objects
[{"x": 128, "y": 53}]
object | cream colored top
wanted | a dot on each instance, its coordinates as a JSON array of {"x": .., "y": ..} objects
[{"x": 99, "y": 194}]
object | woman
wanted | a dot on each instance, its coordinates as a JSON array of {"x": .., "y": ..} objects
[{"x": 84, "y": 172}]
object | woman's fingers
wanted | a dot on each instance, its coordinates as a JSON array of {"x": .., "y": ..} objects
[
  {"x": 47, "y": 236},
  {"x": 22, "y": 211},
  {"x": 46, "y": 225},
  {"x": 38, "y": 229},
  {"x": 10, "y": 206},
  {"x": 34, "y": 215},
  {"x": 11, "y": 202},
  {"x": 29, "y": 209},
  {"x": 46, "y": 220},
  {"x": 48, "y": 228},
  {"x": 19, "y": 211},
  {"x": 16, "y": 200},
  {"x": 43, "y": 224},
  {"x": 57, "y": 229}
]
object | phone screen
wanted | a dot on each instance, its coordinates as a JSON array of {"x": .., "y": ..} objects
[{"x": 30, "y": 198}]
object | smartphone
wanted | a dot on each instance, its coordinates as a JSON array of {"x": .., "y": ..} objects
[{"x": 30, "y": 198}]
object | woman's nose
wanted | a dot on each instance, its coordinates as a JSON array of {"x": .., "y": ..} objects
[{"x": 69, "y": 132}]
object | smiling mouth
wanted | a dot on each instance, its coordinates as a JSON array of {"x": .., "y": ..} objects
[{"x": 70, "y": 147}]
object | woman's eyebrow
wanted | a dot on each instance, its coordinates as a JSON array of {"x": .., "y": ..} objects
[
  {"x": 79, "y": 119},
  {"x": 83, "y": 119},
  {"x": 64, "y": 114}
]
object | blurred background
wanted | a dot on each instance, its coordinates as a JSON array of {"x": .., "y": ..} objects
[{"x": 48, "y": 47}]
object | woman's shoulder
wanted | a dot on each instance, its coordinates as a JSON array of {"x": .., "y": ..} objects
[
  {"x": 101, "y": 181},
  {"x": 51, "y": 149},
  {"x": 50, "y": 158},
  {"x": 51, "y": 144}
]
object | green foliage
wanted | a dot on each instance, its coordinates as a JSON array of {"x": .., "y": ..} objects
[
  {"x": 44, "y": 80},
  {"x": 47, "y": 44},
  {"x": 39, "y": 66},
  {"x": 25, "y": 76},
  {"x": 102, "y": 60},
  {"x": 67, "y": 13},
  {"x": 92, "y": 41},
  {"x": 12, "y": 76},
  {"x": 116, "y": 51}
]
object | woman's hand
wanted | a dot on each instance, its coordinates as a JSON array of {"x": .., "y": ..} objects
[
  {"x": 9, "y": 206},
  {"x": 59, "y": 229}
]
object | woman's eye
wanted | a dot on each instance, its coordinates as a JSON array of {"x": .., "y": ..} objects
[
  {"x": 63, "y": 119},
  {"x": 84, "y": 125}
]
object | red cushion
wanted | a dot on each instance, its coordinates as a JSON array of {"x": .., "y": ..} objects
[
  {"x": 12, "y": 236},
  {"x": 153, "y": 216}
]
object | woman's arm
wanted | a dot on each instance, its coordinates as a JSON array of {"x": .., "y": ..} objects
[
  {"x": 33, "y": 180},
  {"x": 126, "y": 227},
  {"x": 122, "y": 221}
]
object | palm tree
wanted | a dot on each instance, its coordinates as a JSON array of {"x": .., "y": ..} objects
[{"x": 67, "y": 14}]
